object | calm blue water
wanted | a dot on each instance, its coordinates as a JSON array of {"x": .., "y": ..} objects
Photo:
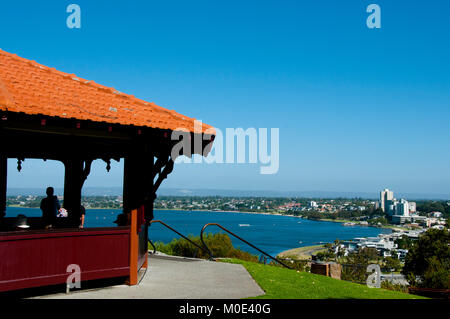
[{"x": 272, "y": 234}]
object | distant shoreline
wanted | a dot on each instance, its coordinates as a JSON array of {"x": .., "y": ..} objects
[
  {"x": 279, "y": 214},
  {"x": 179, "y": 192},
  {"x": 17, "y": 206},
  {"x": 244, "y": 212}
]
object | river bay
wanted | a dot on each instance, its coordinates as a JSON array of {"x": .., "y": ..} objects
[{"x": 271, "y": 233}]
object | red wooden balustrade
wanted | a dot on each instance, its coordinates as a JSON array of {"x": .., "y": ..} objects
[{"x": 33, "y": 258}]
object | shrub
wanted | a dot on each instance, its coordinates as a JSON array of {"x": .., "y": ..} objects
[
  {"x": 354, "y": 273},
  {"x": 395, "y": 287},
  {"x": 220, "y": 245},
  {"x": 325, "y": 256}
]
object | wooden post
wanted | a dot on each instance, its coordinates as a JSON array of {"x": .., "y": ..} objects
[
  {"x": 129, "y": 182},
  {"x": 137, "y": 185},
  {"x": 129, "y": 207},
  {"x": 3, "y": 184},
  {"x": 134, "y": 249},
  {"x": 72, "y": 188}
]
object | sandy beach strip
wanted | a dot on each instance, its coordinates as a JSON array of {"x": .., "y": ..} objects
[{"x": 302, "y": 253}]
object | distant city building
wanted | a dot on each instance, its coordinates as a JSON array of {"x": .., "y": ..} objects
[
  {"x": 313, "y": 204},
  {"x": 400, "y": 219},
  {"x": 430, "y": 221},
  {"x": 385, "y": 196},
  {"x": 412, "y": 207},
  {"x": 396, "y": 210},
  {"x": 390, "y": 206},
  {"x": 402, "y": 208},
  {"x": 436, "y": 214}
]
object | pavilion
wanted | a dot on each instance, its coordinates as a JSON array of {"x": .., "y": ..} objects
[{"x": 48, "y": 114}]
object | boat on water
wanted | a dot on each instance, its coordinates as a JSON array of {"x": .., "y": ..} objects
[
  {"x": 244, "y": 225},
  {"x": 349, "y": 224}
]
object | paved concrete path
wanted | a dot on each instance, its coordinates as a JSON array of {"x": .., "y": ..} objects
[{"x": 177, "y": 277}]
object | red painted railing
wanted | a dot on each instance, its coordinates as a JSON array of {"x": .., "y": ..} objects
[{"x": 35, "y": 258}]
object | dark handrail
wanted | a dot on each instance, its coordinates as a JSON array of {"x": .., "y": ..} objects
[
  {"x": 198, "y": 246},
  {"x": 228, "y": 231}
]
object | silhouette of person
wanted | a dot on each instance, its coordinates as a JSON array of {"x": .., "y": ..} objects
[
  {"x": 121, "y": 220},
  {"x": 50, "y": 207}
]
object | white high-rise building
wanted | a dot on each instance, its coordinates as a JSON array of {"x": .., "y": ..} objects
[
  {"x": 402, "y": 208},
  {"x": 390, "y": 206},
  {"x": 412, "y": 207},
  {"x": 393, "y": 207},
  {"x": 385, "y": 196}
]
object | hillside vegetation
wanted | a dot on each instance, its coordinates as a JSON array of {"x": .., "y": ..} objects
[{"x": 282, "y": 283}]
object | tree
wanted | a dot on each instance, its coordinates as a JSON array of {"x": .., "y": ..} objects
[
  {"x": 427, "y": 263},
  {"x": 363, "y": 256},
  {"x": 392, "y": 263},
  {"x": 381, "y": 220},
  {"x": 404, "y": 242},
  {"x": 376, "y": 212},
  {"x": 431, "y": 206},
  {"x": 340, "y": 251},
  {"x": 326, "y": 255},
  {"x": 355, "y": 268}
]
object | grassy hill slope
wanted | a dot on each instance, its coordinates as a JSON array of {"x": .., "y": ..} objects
[{"x": 282, "y": 283}]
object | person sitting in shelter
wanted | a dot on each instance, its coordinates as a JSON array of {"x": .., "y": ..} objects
[
  {"x": 121, "y": 220},
  {"x": 50, "y": 207}
]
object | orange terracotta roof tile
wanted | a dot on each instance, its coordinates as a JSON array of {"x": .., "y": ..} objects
[{"x": 34, "y": 89}]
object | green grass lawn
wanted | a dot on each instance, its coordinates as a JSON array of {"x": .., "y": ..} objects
[{"x": 282, "y": 283}]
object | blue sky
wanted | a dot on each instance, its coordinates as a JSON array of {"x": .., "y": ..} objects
[{"x": 358, "y": 109}]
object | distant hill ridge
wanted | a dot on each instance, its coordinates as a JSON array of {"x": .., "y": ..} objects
[{"x": 117, "y": 191}]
